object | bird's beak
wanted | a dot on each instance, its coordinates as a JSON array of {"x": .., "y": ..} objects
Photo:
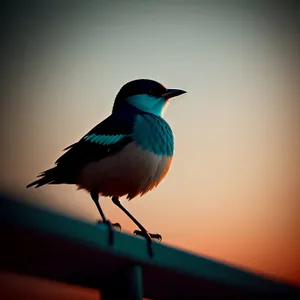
[{"x": 170, "y": 93}]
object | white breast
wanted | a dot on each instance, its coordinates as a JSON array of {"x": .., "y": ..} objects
[{"x": 130, "y": 172}]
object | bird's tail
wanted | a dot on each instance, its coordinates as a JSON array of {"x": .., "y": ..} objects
[{"x": 48, "y": 177}]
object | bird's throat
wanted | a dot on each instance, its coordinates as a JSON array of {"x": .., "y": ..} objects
[{"x": 149, "y": 104}]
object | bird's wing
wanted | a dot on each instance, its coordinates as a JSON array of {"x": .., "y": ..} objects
[{"x": 105, "y": 139}]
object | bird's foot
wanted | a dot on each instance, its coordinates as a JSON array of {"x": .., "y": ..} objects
[
  {"x": 154, "y": 236},
  {"x": 114, "y": 225},
  {"x": 110, "y": 229},
  {"x": 149, "y": 237}
]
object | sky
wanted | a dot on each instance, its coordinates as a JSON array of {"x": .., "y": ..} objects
[{"x": 232, "y": 192}]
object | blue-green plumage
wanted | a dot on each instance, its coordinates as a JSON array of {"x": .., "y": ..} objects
[
  {"x": 154, "y": 134},
  {"x": 148, "y": 103},
  {"x": 104, "y": 139},
  {"x": 149, "y": 131}
]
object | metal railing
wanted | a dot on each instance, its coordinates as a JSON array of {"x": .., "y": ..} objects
[{"x": 44, "y": 244}]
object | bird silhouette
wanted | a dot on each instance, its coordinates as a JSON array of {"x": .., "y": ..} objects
[{"x": 127, "y": 154}]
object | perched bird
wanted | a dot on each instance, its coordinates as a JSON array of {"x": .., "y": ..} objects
[{"x": 127, "y": 154}]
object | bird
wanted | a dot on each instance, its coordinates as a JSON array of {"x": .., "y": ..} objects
[{"x": 127, "y": 154}]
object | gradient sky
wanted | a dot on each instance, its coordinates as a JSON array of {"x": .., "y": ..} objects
[{"x": 232, "y": 192}]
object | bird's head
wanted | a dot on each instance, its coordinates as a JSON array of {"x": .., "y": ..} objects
[{"x": 146, "y": 95}]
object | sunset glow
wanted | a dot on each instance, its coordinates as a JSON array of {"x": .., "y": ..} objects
[{"x": 232, "y": 192}]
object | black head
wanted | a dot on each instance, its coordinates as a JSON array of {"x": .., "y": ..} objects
[
  {"x": 148, "y": 89},
  {"x": 141, "y": 86}
]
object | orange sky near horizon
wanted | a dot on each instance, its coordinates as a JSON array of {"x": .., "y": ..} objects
[{"x": 232, "y": 192}]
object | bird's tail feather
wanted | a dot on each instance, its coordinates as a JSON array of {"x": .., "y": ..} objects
[{"x": 48, "y": 177}]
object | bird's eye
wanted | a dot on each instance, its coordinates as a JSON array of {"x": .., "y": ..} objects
[{"x": 150, "y": 92}]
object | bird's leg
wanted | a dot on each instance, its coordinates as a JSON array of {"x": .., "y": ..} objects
[
  {"x": 95, "y": 197},
  {"x": 142, "y": 232}
]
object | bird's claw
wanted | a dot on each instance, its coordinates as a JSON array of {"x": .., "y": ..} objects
[
  {"x": 149, "y": 237},
  {"x": 155, "y": 236},
  {"x": 110, "y": 230},
  {"x": 115, "y": 225}
]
